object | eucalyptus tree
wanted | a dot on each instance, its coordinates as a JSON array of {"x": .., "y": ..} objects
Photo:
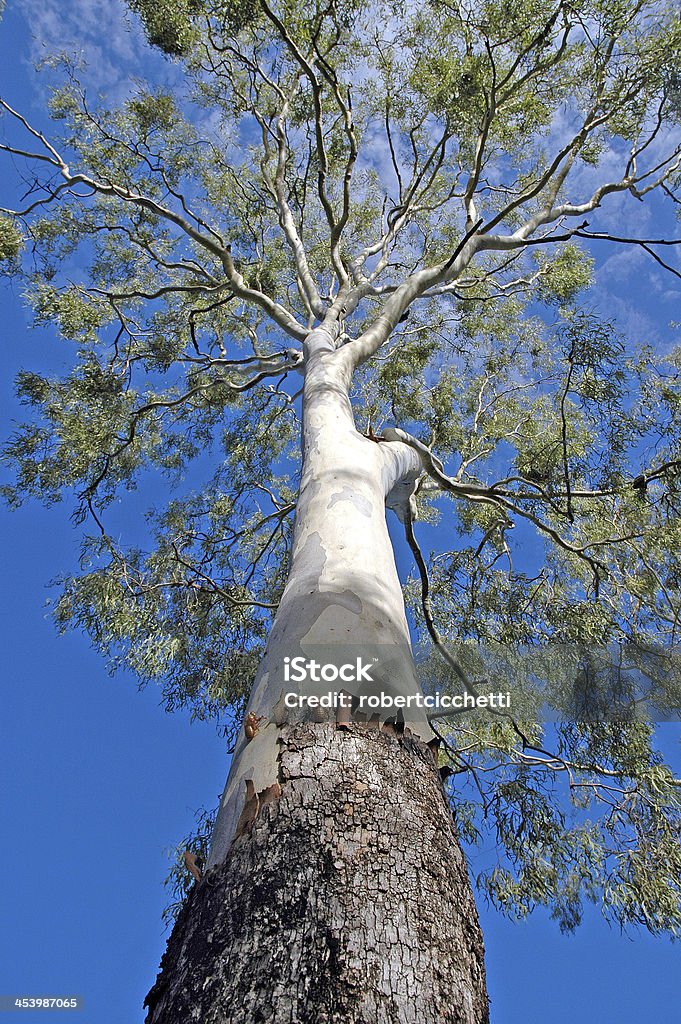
[{"x": 341, "y": 267}]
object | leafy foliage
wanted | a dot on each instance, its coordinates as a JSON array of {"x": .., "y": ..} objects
[
  {"x": 10, "y": 242},
  {"x": 572, "y": 834}
]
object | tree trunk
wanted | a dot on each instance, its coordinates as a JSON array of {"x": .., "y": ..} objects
[
  {"x": 346, "y": 900},
  {"x": 336, "y": 889}
]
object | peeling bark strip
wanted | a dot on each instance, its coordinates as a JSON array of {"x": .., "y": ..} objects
[{"x": 346, "y": 900}]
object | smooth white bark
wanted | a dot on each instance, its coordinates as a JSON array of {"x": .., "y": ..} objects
[{"x": 343, "y": 594}]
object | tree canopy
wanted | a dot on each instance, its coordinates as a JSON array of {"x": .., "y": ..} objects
[{"x": 432, "y": 180}]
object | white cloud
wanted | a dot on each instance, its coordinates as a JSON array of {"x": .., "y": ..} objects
[{"x": 104, "y": 35}]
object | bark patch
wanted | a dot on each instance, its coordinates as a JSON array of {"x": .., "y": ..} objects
[
  {"x": 348, "y": 902},
  {"x": 361, "y": 503}
]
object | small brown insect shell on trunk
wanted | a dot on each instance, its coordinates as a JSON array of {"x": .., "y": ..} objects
[
  {"x": 252, "y": 724},
  {"x": 193, "y": 864}
]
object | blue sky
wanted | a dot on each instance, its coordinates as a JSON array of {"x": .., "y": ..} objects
[{"x": 99, "y": 782}]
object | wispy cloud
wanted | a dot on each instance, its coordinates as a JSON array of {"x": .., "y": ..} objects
[{"x": 104, "y": 35}]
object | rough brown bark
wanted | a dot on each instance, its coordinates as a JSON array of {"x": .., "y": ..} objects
[{"x": 344, "y": 898}]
